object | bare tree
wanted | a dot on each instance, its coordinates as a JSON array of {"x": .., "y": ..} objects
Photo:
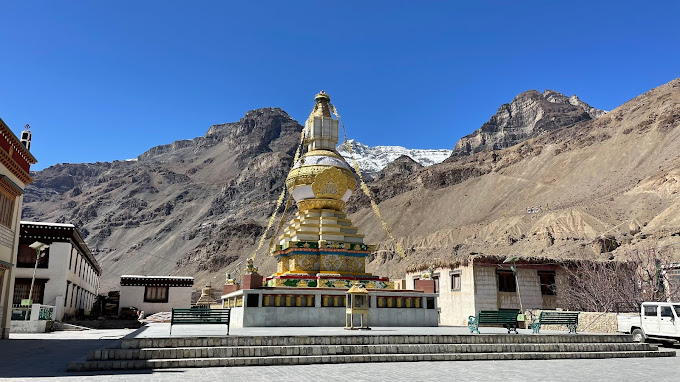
[{"x": 646, "y": 274}]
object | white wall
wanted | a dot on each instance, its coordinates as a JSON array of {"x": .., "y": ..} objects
[
  {"x": 133, "y": 296},
  {"x": 455, "y": 306},
  {"x": 8, "y": 254},
  {"x": 82, "y": 276},
  {"x": 489, "y": 298},
  {"x": 479, "y": 291},
  {"x": 273, "y": 316}
]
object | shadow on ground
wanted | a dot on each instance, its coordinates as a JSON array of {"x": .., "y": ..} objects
[{"x": 49, "y": 355}]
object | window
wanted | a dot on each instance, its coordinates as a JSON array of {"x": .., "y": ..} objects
[
  {"x": 506, "y": 281},
  {"x": 650, "y": 310},
  {"x": 429, "y": 302},
  {"x": 26, "y": 257},
  {"x": 156, "y": 294},
  {"x": 66, "y": 294},
  {"x": 435, "y": 277},
  {"x": 22, "y": 288},
  {"x": 547, "y": 282},
  {"x": 75, "y": 304},
  {"x": 6, "y": 206},
  {"x": 666, "y": 311},
  {"x": 455, "y": 280}
]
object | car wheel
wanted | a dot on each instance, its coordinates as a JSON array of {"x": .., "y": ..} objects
[{"x": 638, "y": 335}]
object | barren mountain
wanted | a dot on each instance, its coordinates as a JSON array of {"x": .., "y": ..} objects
[
  {"x": 528, "y": 115},
  {"x": 605, "y": 185},
  {"x": 583, "y": 187},
  {"x": 190, "y": 208}
]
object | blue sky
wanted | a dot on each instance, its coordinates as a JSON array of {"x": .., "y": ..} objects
[{"x": 100, "y": 81}]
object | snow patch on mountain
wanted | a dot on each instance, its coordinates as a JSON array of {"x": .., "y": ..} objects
[{"x": 373, "y": 159}]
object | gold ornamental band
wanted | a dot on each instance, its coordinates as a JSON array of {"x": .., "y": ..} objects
[
  {"x": 305, "y": 175},
  {"x": 322, "y": 152},
  {"x": 317, "y": 204}
]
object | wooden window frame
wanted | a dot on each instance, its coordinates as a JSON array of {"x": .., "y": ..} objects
[
  {"x": 8, "y": 197},
  {"x": 459, "y": 275},
  {"x": 547, "y": 289},
  {"x": 503, "y": 284},
  {"x": 148, "y": 290},
  {"x": 22, "y": 286},
  {"x": 21, "y": 257}
]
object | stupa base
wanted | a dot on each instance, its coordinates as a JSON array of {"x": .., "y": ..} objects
[{"x": 325, "y": 307}]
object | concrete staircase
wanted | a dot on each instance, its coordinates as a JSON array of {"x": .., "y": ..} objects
[{"x": 144, "y": 353}]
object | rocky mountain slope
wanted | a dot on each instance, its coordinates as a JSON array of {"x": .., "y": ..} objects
[
  {"x": 372, "y": 160},
  {"x": 528, "y": 115},
  {"x": 600, "y": 188},
  {"x": 197, "y": 207},
  {"x": 189, "y": 208}
]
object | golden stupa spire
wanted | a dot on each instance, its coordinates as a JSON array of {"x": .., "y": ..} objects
[
  {"x": 320, "y": 247},
  {"x": 322, "y": 108},
  {"x": 321, "y": 130}
]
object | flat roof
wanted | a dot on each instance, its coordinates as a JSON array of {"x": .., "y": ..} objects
[
  {"x": 159, "y": 277},
  {"x": 50, "y": 224},
  {"x": 56, "y": 231},
  {"x": 173, "y": 281}
]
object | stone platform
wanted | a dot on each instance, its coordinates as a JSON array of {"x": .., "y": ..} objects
[
  {"x": 325, "y": 307},
  {"x": 334, "y": 345}
]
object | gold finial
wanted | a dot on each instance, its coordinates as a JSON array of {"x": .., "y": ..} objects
[
  {"x": 321, "y": 109},
  {"x": 322, "y": 95}
]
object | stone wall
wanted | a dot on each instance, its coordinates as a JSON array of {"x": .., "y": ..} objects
[
  {"x": 42, "y": 326},
  {"x": 588, "y": 322}
]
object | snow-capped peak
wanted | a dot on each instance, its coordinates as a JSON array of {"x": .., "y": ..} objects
[{"x": 373, "y": 159}]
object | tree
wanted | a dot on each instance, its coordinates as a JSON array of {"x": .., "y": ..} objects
[{"x": 646, "y": 274}]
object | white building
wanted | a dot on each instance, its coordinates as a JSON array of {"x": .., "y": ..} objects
[
  {"x": 481, "y": 282},
  {"x": 67, "y": 276},
  {"x": 15, "y": 166},
  {"x": 154, "y": 294}
]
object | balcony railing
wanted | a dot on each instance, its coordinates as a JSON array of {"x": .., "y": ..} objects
[
  {"x": 46, "y": 312},
  {"x": 19, "y": 312}
]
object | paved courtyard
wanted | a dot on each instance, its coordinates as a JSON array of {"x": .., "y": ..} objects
[{"x": 43, "y": 357}]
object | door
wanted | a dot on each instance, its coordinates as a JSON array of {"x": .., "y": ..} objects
[
  {"x": 650, "y": 319},
  {"x": 667, "y": 321}
]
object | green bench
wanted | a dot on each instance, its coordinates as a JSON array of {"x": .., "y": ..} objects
[
  {"x": 507, "y": 318},
  {"x": 199, "y": 316},
  {"x": 556, "y": 318}
]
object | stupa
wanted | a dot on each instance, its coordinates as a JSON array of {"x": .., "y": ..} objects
[
  {"x": 320, "y": 255},
  {"x": 320, "y": 247},
  {"x": 207, "y": 298}
]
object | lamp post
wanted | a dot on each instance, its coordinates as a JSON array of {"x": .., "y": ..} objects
[
  {"x": 39, "y": 248},
  {"x": 513, "y": 260}
]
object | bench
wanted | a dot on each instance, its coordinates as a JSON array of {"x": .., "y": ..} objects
[
  {"x": 555, "y": 318},
  {"x": 199, "y": 316},
  {"x": 507, "y": 318}
]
